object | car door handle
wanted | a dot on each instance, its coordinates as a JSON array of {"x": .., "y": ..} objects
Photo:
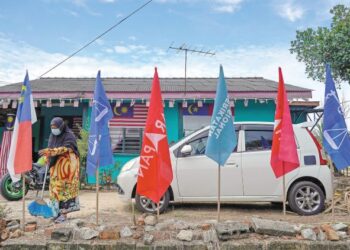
[{"x": 232, "y": 164}]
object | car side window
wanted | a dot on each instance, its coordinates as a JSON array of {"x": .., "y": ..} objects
[
  {"x": 258, "y": 140},
  {"x": 198, "y": 146}
]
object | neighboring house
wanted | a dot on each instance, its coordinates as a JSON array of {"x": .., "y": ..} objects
[{"x": 186, "y": 107}]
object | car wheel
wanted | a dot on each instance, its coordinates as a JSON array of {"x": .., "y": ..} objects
[
  {"x": 306, "y": 198},
  {"x": 145, "y": 205}
]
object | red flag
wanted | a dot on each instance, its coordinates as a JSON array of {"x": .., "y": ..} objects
[
  {"x": 155, "y": 172},
  {"x": 284, "y": 156}
]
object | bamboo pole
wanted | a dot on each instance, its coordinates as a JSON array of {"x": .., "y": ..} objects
[
  {"x": 158, "y": 211},
  {"x": 219, "y": 190},
  {"x": 23, "y": 202},
  {"x": 133, "y": 212},
  {"x": 284, "y": 190},
  {"x": 97, "y": 193}
]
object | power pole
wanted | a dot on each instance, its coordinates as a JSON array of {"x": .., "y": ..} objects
[{"x": 186, "y": 49}]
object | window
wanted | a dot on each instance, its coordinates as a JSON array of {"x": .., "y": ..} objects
[
  {"x": 126, "y": 140},
  {"x": 258, "y": 140},
  {"x": 198, "y": 146}
]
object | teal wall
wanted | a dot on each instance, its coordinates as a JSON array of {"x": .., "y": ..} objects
[
  {"x": 173, "y": 120},
  {"x": 255, "y": 111}
]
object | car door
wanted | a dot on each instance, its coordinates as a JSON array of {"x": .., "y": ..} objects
[
  {"x": 258, "y": 176},
  {"x": 197, "y": 175}
]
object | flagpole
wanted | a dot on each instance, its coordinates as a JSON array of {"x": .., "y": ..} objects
[
  {"x": 219, "y": 189},
  {"x": 332, "y": 172},
  {"x": 284, "y": 190},
  {"x": 97, "y": 192},
  {"x": 23, "y": 202},
  {"x": 133, "y": 212},
  {"x": 158, "y": 211}
]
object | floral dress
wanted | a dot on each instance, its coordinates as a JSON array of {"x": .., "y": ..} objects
[{"x": 64, "y": 180}]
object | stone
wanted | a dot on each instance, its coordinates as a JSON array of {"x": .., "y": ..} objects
[
  {"x": 340, "y": 227},
  {"x": 148, "y": 239},
  {"x": 210, "y": 236},
  {"x": 149, "y": 228},
  {"x": 205, "y": 226},
  {"x": 332, "y": 235},
  {"x": 15, "y": 234},
  {"x": 137, "y": 235},
  {"x": 48, "y": 231},
  {"x": 86, "y": 233},
  {"x": 271, "y": 227},
  {"x": 165, "y": 224},
  {"x": 3, "y": 224},
  {"x": 180, "y": 225},
  {"x": 151, "y": 220},
  {"x": 109, "y": 234},
  {"x": 77, "y": 223},
  {"x": 342, "y": 235},
  {"x": 140, "y": 221},
  {"x": 30, "y": 227},
  {"x": 5, "y": 234},
  {"x": 308, "y": 234},
  {"x": 321, "y": 236},
  {"x": 125, "y": 232},
  {"x": 185, "y": 235},
  {"x": 62, "y": 234},
  {"x": 231, "y": 230},
  {"x": 13, "y": 225}
]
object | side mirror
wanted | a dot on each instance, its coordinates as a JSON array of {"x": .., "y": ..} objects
[{"x": 186, "y": 150}]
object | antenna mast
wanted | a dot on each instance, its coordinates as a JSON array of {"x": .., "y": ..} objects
[{"x": 186, "y": 49}]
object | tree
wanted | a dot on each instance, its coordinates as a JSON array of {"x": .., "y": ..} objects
[{"x": 331, "y": 45}]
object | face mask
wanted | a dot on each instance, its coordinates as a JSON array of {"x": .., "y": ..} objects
[{"x": 55, "y": 131}]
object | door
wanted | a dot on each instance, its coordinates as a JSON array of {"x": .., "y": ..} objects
[{"x": 197, "y": 175}]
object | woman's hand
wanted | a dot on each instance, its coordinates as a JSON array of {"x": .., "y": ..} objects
[{"x": 43, "y": 152}]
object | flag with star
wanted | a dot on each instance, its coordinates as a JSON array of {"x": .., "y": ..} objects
[{"x": 155, "y": 173}]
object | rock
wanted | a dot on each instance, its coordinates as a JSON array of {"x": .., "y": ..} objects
[
  {"x": 271, "y": 227},
  {"x": 342, "y": 235},
  {"x": 48, "y": 231},
  {"x": 3, "y": 224},
  {"x": 109, "y": 234},
  {"x": 180, "y": 225},
  {"x": 149, "y": 228},
  {"x": 151, "y": 220},
  {"x": 140, "y": 221},
  {"x": 77, "y": 223},
  {"x": 205, "y": 226},
  {"x": 148, "y": 239},
  {"x": 210, "y": 236},
  {"x": 15, "y": 234},
  {"x": 320, "y": 235},
  {"x": 137, "y": 235},
  {"x": 308, "y": 234},
  {"x": 340, "y": 227},
  {"x": 185, "y": 235},
  {"x": 30, "y": 227},
  {"x": 13, "y": 225},
  {"x": 332, "y": 235},
  {"x": 125, "y": 232},
  {"x": 62, "y": 234},
  {"x": 86, "y": 233},
  {"x": 165, "y": 224},
  {"x": 231, "y": 230},
  {"x": 5, "y": 234}
]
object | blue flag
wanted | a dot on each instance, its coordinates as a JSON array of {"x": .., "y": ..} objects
[
  {"x": 336, "y": 139},
  {"x": 99, "y": 149},
  {"x": 222, "y": 137}
]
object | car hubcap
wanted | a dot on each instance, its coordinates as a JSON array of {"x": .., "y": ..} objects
[
  {"x": 308, "y": 199},
  {"x": 149, "y": 205}
]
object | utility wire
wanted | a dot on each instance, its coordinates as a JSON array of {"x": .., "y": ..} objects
[{"x": 99, "y": 36}]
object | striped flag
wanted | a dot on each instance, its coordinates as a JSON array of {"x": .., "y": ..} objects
[
  {"x": 20, "y": 157},
  {"x": 137, "y": 117},
  {"x": 4, "y": 153}
]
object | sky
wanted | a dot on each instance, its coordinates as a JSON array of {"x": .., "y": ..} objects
[{"x": 250, "y": 38}]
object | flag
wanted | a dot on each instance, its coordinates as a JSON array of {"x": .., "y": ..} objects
[
  {"x": 336, "y": 140},
  {"x": 135, "y": 117},
  {"x": 155, "y": 173},
  {"x": 20, "y": 156},
  {"x": 284, "y": 155},
  {"x": 222, "y": 137},
  {"x": 99, "y": 149}
]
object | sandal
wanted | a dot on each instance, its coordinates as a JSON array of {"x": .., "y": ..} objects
[{"x": 61, "y": 218}]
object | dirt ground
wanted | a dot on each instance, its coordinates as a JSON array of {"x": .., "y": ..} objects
[{"x": 113, "y": 211}]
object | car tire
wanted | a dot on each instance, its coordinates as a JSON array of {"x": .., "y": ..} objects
[
  {"x": 306, "y": 198},
  {"x": 145, "y": 205}
]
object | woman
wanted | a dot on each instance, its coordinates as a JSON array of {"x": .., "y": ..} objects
[{"x": 63, "y": 157}]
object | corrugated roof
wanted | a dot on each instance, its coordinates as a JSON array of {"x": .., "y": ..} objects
[{"x": 139, "y": 86}]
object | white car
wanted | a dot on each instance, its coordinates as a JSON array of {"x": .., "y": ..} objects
[{"x": 247, "y": 175}]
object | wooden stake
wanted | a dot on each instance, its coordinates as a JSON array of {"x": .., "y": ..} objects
[
  {"x": 133, "y": 212},
  {"x": 97, "y": 192},
  {"x": 23, "y": 202},
  {"x": 219, "y": 189},
  {"x": 284, "y": 191}
]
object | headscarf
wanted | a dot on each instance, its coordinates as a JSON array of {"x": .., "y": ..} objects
[{"x": 65, "y": 139}]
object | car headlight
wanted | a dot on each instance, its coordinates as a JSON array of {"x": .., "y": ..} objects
[{"x": 128, "y": 166}]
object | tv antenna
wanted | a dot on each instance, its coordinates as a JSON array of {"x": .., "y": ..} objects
[{"x": 186, "y": 49}]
